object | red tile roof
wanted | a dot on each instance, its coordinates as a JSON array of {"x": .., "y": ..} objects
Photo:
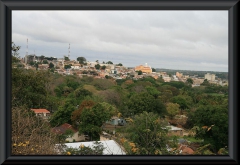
[
  {"x": 40, "y": 110},
  {"x": 185, "y": 150},
  {"x": 62, "y": 129}
]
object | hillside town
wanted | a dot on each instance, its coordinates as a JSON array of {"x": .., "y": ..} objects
[
  {"x": 102, "y": 108},
  {"x": 102, "y": 70}
]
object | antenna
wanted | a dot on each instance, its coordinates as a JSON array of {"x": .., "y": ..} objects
[
  {"x": 34, "y": 56},
  {"x": 27, "y": 47},
  {"x": 26, "y": 52},
  {"x": 69, "y": 52}
]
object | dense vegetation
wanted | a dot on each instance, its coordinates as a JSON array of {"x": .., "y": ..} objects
[{"x": 86, "y": 103}]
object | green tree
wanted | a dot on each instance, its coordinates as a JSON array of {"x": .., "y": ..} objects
[
  {"x": 153, "y": 70},
  {"x": 80, "y": 93},
  {"x": 184, "y": 101},
  {"x": 147, "y": 133},
  {"x": 103, "y": 67},
  {"x": 160, "y": 108},
  {"x": 120, "y": 64},
  {"x": 139, "y": 72},
  {"x": 160, "y": 79},
  {"x": 67, "y": 66},
  {"x": 29, "y": 87},
  {"x": 92, "y": 119},
  {"x": 63, "y": 114},
  {"x": 205, "y": 83},
  {"x": 153, "y": 91},
  {"x": 51, "y": 65},
  {"x": 140, "y": 102},
  {"x": 145, "y": 102},
  {"x": 109, "y": 62},
  {"x": 45, "y": 61},
  {"x": 213, "y": 124},
  {"x": 42, "y": 57},
  {"x": 172, "y": 109},
  {"x": 97, "y": 66},
  {"x": 66, "y": 58},
  {"x": 31, "y": 63},
  {"x": 103, "y": 84},
  {"x": 75, "y": 118},
  {"x": 190, "y": 81},
  {"x": 82, "y": 60}
]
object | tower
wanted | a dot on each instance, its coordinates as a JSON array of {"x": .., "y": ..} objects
[
  {"x": 69, "y": 52},
  {"x": 26, "y": 56},
  {"x": 34, "y": 58}
]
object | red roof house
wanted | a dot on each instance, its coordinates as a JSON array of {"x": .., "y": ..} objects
[{"x": 44, "y": 113}]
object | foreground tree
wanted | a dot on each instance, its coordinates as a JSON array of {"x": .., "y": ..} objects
[
  {"x": 31, "y": 135},
  {"x": 29, "y": 88},
  {"x": 77, "y": 113},
  {"x": 63, "y": 114},
  {"x": 145, "y": 102},
  {"x": 147, "y": 132},
  {"x": 212, "y": 125},
  {"x": 92, "y": 119}
]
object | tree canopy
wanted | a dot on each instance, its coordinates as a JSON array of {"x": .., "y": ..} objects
[
  {"x": 212, "y": 125},
  {"x": 147, "y": 132},
  {"x": 91, "y": 119},
  {"x": 81, "y": 60}
]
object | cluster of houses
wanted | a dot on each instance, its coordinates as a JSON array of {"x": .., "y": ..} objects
[
  {"x": 111, "y": 146},
  {"x": 115, "y": 71}
]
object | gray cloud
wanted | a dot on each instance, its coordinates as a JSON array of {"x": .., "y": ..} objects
[{"x": 193, "y": 40}]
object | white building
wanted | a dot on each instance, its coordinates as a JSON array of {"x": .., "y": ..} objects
[
  {"x": 110, "y": 147},
  {"x": 76, "y": 66},
  {"x": 210, "y": 77}
]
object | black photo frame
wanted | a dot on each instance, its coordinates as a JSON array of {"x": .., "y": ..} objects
[{"x": 6, "y": 7}]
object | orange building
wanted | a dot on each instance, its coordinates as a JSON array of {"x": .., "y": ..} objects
[{"x": 144, "y": 69}]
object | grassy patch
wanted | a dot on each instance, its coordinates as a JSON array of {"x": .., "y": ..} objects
[{"x": 192, "y": 139}]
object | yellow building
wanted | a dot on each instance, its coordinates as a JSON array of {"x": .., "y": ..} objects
[
  {"x": 144, "y": 69},
  {"x": 179, "y": 75}
]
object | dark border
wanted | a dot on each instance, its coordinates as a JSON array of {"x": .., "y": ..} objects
[{"x": 6, "y": 6}]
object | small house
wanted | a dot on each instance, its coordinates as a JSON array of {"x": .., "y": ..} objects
[
  {"x": 117, "y": 121},
  {"x": 44, "y": 113},
  {"x": 172, "y": 130},
  {"x": 63, "y": 129}
]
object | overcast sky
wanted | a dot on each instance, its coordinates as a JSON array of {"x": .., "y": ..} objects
[{"x": 184, "y": 40}]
